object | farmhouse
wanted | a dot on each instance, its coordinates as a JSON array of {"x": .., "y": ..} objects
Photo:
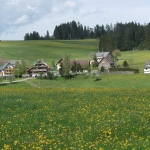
[
  {"x": 104, "y": 59},
  {"x": 147, "y": 66},
  {"x": 7, "y": 69},
  {"x": 39, "y": 68}
]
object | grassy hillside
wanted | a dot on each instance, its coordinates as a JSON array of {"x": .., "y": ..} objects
[
  {"x": 54, "y": 50},
  {"x": 136, "y": 59},
  {"x": 47, "y": 50}
]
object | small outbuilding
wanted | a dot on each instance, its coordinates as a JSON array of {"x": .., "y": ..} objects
[{"x": 147, "y": 67}]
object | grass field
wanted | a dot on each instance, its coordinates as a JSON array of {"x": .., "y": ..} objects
[{"x": 75, "y": 119}]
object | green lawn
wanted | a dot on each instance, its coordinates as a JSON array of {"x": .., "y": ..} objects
[{"x": 111, "y": 81}]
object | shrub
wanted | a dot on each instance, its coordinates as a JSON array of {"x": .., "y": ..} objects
[
  {"x": 102, "y": 69},
  {"x": 125, "y": 64}
]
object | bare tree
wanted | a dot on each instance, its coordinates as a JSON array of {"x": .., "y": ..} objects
[
  {"x": 116, "y": 53},
  {"x": 2, "y": 61}
]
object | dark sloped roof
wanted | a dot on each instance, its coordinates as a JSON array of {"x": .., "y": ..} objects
[
  {"x": 83, "y": 63},
  {"x": 102, "y": 54},
  {"x": 4, "y": 66}
]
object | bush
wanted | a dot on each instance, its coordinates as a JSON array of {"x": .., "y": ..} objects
[
  {"x": 97, "y": 78},
  {"x": 50, "y": 76},
  {"x": 125, "y": 64},
  {"x": 124, "y": 69}
]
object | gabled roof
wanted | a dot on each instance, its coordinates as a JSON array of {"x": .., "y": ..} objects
[
  {"x": 147, "y": 64},
  {"x": 60, "y": 61},
  {"x": 83, "y": 63},
  {"x": 102, "y": 54},
  {"x": 4, "y": 66},
  {"x": 41, "y": 62}
]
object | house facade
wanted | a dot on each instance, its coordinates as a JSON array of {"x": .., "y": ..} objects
[
  {"x": 104, "y": 59},
  {"x": 106, "y": 63},
  {"x": 6, "y": 70},
  {"x": 147, "y": 67},
  {"x": 58, "y": 65},
  {"x": 39, "y": 68}
]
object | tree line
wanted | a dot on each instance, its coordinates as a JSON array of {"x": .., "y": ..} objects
[
  {"x": 123, "y": 36},
  {"x": 36, "y": 36}
]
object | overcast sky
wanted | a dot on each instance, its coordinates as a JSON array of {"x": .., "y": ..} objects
[{"x": 24, "y": 16}]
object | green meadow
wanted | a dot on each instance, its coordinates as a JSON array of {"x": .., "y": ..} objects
[
  {"x": 74, "y": 119},
  {"x": 47, "y": 50}
]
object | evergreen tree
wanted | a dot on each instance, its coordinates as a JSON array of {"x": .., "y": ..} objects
[
  {"x": 125, "y": 64},
  {"x": 95, "y": 63},
  {"x": 65, "y": 67}
]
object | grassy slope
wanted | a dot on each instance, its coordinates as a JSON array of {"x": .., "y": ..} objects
[
  {"x": 47, "y": 50},
  {"x": 137, "y": 58}
]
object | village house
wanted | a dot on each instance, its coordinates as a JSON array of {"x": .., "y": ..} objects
[
  {"x": 147, "y": 67},
  {"x": 39, "y": 68},
  {"x": 104, "y": 59},
  {"x": 6, "y": 70}
]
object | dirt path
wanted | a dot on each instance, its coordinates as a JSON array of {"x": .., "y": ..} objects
[{"x": 32, "y": 84}]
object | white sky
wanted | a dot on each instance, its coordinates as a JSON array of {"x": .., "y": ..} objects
[{"x": 24, "y": 16}]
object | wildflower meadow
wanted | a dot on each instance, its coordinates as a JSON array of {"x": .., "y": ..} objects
[{"x": 74, "y": 119}]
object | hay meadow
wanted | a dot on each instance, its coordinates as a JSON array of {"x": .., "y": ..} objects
[{"x": 76, "y": 114}]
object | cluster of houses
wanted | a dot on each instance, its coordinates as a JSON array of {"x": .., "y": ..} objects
[{"x": 104, "y": 59}]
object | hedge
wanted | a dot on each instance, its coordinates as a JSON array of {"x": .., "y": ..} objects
[{"x": 124, "y": 69}]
